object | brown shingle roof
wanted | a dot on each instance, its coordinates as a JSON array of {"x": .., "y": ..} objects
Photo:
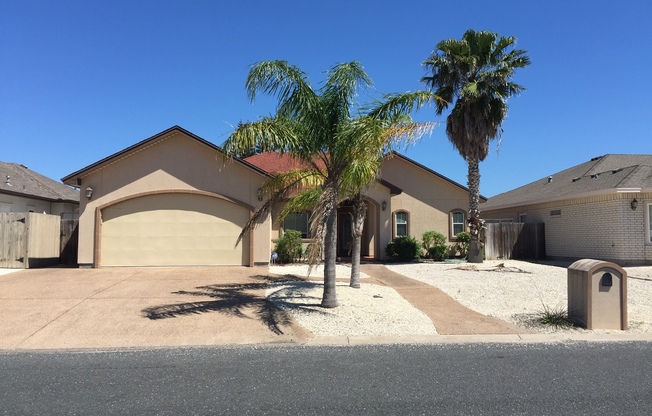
[
  {"x": 607, "y": 173},
  {"x": 19, "y": 180}
]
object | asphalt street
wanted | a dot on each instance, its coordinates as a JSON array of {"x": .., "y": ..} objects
[{"x": 496, "y": 379}]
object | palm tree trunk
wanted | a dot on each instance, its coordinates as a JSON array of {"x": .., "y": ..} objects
[
  {"x": 329, "y": 298},
  {"x": 475, "y": 223},
  {"x": 359, "y": 214}
]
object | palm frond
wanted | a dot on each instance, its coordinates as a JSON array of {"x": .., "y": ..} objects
[{"x": 267, "y": 135}]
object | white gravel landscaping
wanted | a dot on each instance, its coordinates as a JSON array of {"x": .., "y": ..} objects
[
  {"x": 372, "y": 310},
  {"x": 518, "y": 291},
  {"x": 515, "y": 293}
]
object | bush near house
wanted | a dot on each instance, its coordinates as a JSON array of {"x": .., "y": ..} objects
[
  {"x": 289, "y": 246},
  {"x": 461, "y": 247},
  {"x": 434, "y": 244},
  {"x": 404, "y": 248}
]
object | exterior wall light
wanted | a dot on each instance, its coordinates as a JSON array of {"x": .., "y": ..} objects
[
  {"x": 384, "y": 205},
  {"x": 89, "y": 192},
  {"x": 634, "y": 204}
]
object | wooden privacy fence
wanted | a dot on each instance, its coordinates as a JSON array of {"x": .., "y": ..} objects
[
  {"x": 517, "y": 241},
  {"x": 29, "y": 240}
]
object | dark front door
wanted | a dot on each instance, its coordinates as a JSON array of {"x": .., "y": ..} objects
[{"x": 344, "y": 224}]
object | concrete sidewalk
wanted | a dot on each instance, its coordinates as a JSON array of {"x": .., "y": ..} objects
[{"x": 62, "y": 308}]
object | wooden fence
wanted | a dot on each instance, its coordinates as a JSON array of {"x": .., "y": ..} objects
[
  {"x": 29, "y": 240},
  {"x": 518, "y": 241}
]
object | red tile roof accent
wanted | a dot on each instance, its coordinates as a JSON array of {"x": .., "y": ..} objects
[{"x": 273, "y": 163}]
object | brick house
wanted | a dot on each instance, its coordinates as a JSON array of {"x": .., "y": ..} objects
[{"x": 599, "y": 209}]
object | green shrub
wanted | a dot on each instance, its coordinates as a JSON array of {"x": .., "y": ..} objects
[
  {"x": 404, "y": 248},
  {"x": 435, "y": 245},
  {"x": 289, "y": 246},
  {"x": 462, "y": 244}
]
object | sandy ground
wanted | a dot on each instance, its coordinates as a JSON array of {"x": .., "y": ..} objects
[
  {"x": 517, "y": 293},
  {"x": 372, "y": 310}
]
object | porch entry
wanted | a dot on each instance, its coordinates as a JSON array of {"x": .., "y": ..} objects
[{"x": 345, "y": 227}]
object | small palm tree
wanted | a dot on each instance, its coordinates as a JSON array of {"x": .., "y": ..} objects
[
  {"x": 475, "y": 74},
  {"x": 337, "y": 149}
]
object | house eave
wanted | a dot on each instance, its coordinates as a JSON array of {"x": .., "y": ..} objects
[
  {"x": 74, "y": 179},
  {"x": 600, "y": 192}
]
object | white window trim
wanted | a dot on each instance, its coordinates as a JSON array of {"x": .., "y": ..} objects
[
  {"x": 452, "y": 224},
  {"x": 407, "y": 223}
]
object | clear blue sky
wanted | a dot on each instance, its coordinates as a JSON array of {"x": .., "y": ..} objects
[{"x": 82, "y": 79}]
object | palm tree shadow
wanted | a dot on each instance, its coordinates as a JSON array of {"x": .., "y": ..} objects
[{"x": 234, "y": 300}]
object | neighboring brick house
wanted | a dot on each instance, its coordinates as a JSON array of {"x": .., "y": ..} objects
[
  {"x": 23, "y": 190},
  {"x": 600, "y": 209}
]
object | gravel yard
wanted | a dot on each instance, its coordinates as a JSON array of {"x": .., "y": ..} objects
[
  {"x": 515, "y": 292},
  {"x": 519, "y": 290}
]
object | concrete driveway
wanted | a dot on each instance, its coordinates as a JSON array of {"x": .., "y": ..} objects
[{"x": 139, "y": 307}]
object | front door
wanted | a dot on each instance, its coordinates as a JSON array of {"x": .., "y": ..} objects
[{"x": 344, "y": 224}]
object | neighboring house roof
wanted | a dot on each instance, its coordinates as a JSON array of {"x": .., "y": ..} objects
[
  {"x": 74, "y": 178},
  {"x": 600, "y": 175},
  {"x": 20, "y": 181},
  {"x": 432, "y": 172}
]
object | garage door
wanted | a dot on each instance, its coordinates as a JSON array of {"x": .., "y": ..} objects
[{"x": 173, "y": 230}]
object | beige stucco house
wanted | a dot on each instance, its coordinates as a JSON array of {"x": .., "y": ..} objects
[
  {"x": 600, "y": 209},
  {"x": 174, "y": 199},
  {"x": 23, "y": 190}
]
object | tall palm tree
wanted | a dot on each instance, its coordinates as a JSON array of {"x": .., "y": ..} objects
[
  {"x": 475, "y": 74},
  {"x": 319, "y": 128}
]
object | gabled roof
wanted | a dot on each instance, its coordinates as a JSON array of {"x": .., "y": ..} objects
[
  {"x": 601, "y": 175},
  {"x": 432, "y": 172},
  {"x": 274, "y": 163},
  {"x": 20, "y": 181},
  {"x": 74, "y": 179}
]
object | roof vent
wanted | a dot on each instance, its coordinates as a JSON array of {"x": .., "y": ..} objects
[
  {"x": 616, "y": 170},
  {"x": 577, "y": 179},
  {"x": 8, "y": 181},
  {"x": 594, "y": 176},
  {"x": 549, "y": 179}
]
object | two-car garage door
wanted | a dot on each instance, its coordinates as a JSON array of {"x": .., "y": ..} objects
[{"x": 176, "y": 229}]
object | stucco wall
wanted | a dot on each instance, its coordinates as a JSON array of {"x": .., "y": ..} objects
[
  {"x": 177, "y": 162},
  {"x": 428, "y": 199},
  {"x": 601, "y": 227}
]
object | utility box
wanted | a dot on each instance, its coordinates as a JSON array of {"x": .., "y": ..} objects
[{"x": 597, "y": 295}]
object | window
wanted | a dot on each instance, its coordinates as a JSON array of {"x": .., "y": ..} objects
[
  {"x": 400, "y": 224},
  {"x": 522, "y": 218},
  {"x": 457, "y": 222},
  {"x": 297, "y": 221},
  {"x": 555, "y": 213},
  {"x": 649, "y": 223}
]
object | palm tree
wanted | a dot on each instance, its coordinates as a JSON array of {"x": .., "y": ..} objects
[
  {"x": 475, "y": 74},
  {"x": 317, "y": 128}
]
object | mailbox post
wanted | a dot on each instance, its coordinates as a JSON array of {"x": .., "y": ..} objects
[{"x": 597, "y": 295}]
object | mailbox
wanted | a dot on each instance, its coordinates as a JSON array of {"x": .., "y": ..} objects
[{"x": 597, "y": 295}]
